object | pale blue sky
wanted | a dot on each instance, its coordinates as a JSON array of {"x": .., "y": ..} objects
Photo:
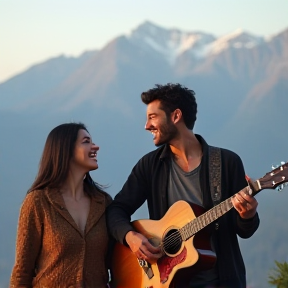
[{"x": 32, "y": 31}]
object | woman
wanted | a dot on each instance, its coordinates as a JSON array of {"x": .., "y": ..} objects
[{"x": 62, "y": 239}]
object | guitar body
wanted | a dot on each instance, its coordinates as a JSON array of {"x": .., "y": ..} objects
[
  {"x": 183, "y": 238},
  {"x": 128, "y": 272}
]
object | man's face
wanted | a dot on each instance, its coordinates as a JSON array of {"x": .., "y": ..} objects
[{"x": 161, "y": 127}]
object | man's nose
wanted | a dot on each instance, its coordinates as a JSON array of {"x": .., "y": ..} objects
[{"x": 147, "y": 125}]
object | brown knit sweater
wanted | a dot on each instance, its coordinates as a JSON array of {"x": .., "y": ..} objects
[{"x": 51, "y": 251}]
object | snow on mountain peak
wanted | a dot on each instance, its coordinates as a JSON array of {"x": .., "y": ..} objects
[
  {"x": 169, "y": 42},
  {"x": 237, "y": 39}
]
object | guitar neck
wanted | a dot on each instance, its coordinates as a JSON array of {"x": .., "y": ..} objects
[
  {"x": 214, "y": 213},
  {"x": 271, "y": 180},
  {"x": 205, "y": 219}
]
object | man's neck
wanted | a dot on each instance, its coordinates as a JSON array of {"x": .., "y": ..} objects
[{"x": 187, "y": 151}]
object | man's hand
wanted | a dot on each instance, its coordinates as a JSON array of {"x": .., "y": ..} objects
[
  {"x": 141, "y": 247},
  {"x": 245, "y": 205}
]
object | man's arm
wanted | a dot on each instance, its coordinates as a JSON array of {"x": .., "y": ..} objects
[
  {"x": 127, "y": 201},
  {"x": 246, "y": 216}
]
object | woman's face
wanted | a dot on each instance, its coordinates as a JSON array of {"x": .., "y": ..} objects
[{"x": 85, "y": 153}]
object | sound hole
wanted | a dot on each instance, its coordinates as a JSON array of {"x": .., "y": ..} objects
[{"x": 172, "y": 242}]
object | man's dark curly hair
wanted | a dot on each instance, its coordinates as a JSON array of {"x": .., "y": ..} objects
[{"x": 173, "y": 96}]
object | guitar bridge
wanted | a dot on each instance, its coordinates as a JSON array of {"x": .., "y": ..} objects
[{"x": 146, "y": 266}]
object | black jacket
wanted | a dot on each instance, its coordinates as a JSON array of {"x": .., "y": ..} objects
[{"x": 148, "y": 181}]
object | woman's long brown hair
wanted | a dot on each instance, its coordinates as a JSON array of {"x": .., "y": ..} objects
[{"x": 57, "y": 153}]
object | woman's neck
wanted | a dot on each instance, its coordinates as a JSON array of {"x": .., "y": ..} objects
[{"x": 73, "y": 186}]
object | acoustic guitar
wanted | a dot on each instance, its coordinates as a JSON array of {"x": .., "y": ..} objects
[{"x": 177, "y": 235}]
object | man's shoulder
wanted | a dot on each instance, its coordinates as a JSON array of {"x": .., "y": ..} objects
[
  {"x": 229, "y": 153},
  {"x": 154, "y": 154}
]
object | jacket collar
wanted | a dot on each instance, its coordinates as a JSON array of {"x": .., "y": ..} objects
[
  {"x": 97, "y": 208},
  {"x": 166, "y": 150}
]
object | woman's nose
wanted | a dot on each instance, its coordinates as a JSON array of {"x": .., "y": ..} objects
[{"x": 96, "y": 147}]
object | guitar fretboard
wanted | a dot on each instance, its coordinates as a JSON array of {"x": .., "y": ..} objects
[
  {"x": 271, "y": 180},
  {"x": 205, "y": 219}
]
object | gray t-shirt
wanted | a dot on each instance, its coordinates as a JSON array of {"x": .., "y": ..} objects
[{"x": 186, "y": 186}]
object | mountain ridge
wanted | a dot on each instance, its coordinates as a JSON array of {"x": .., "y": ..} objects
[{"x": 241, "y": 95}]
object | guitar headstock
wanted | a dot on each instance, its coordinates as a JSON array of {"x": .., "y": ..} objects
[{"x": 277, "y": 178}]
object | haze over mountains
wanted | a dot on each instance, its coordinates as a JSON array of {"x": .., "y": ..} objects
[{"x": 241, "y": 85}]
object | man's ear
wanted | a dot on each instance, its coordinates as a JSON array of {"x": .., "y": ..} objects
[{"x": 176, "y": 115}]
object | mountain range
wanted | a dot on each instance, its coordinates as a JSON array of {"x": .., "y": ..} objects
[{"x": 241, "y": 85}]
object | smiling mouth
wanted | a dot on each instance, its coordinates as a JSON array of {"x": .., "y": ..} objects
[
  {"x": 153, "y": 132},
  {"x": 92, "y": 155}
]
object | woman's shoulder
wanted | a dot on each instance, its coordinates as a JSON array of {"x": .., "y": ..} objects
[
  {"x": 33, "y": 195},
  {"x": 36, "y": 194},
  {"x": 33, "y": 202},
  {"x": 107, "y": 196},
  {"x": 36, "y": 197}
]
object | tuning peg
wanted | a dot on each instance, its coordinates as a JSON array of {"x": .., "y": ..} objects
[
  {"x": 281, "y": 187},
  {"x": 277, "y": 165},
  {"x": 274, "y": 166}
]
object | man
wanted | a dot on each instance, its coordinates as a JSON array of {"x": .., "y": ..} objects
[{"x": 179, "y": 170}]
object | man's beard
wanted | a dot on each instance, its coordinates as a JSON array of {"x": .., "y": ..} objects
[{"x": 167, "y": 132}]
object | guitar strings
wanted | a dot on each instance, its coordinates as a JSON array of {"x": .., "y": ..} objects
[
  {"x": 203, "y": 220},
  {"x": 172, "y": 241},
  {"x": 175, "y": 238}
]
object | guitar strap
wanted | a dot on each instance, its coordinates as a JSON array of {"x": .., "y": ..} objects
[{"x": 215, "y": 175}]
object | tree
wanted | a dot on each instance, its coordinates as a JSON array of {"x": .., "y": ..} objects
[{"x": 279, "y": 278}]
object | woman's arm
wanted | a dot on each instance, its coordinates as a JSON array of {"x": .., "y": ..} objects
[{"x": 28, "y": 243}]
